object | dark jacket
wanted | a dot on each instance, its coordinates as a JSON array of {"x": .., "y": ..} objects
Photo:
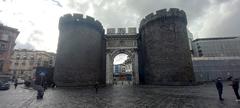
[
  {"x": 235, "y": 84},
  {"x": 219, "y": 85}
]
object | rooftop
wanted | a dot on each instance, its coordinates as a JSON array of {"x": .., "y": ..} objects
[
  {"x": 8, "y": 28},
  {"x": 215, "y": 38}
]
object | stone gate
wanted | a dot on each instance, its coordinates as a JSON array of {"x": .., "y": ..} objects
[
  {"x": 121, "y": 42},
  {"x": 159, "y": 52}
]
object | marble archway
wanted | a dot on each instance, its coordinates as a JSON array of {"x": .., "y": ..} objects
[
  {"x": 116, "y": 44},
  {"x": 109, "y": 63}
]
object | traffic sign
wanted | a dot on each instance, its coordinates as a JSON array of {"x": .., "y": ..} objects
[{"x": 42, "y": 74}]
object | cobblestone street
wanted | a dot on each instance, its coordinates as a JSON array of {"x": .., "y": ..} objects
[{"x": 122, "y": 96}]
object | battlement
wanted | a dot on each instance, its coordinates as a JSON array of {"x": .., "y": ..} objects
[
  {"x": 122, "y": 31},
  {"x": 78, "y": 19},
  {"x": 164, "y": 14}
]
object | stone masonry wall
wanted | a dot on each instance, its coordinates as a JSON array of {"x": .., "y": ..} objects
[
  {"x": 164, "y": 51},
  {"x": 80, "y": 53}
]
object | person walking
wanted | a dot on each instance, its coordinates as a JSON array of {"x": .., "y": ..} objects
[
  {"x": 219, "y": 87},
  {"x": 235, "y": 86},
  {"x": 40, "y": 92},
  {"x": 114, "y": 81},
  {"x": 53, "y": 85},
  {"x": 15, "y": 83},
  {"x": 96, "y": 87}
]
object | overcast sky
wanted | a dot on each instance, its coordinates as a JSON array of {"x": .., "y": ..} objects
[{"x": 37, "y": 20}]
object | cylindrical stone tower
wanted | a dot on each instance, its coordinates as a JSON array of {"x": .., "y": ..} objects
[
  {"x": 80, "y": 53},
  {"x": 164, "y": 48}
]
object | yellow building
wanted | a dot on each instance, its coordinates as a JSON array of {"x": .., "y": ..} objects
[
  {"x": 8, "y": 36},
  {"x": 25, "y": 61}
]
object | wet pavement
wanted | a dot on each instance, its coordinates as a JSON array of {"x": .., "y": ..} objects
[{"x": 122, "y": 96}]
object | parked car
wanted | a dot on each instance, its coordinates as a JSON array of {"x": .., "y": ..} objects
[
  {"x": 20, "y": 81},
  {"x": 4, "y": 85}
]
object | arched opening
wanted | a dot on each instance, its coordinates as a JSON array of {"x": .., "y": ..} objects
[
  {"x": 130, "y": 60},
  {"x": 122, "y": 69}
]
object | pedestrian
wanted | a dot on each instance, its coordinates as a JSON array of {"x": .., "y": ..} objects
[
  {"x": 53, "y": 85},
  {"x": 15, "y": 83},
  {"x": 235, "y": 86},
  {"x": 219, "y": 87},
  {"x": 96, "y": 87},
  {"x": 114, "y": 81},
  {"x": 128, "y": 79},
  {"x": 229, "y": 78},
  {"x": 40, "y": 92}
]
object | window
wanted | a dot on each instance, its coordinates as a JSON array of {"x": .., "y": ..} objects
[
  {"x": 24, "y": 57},
  {"x": 16, "y": 63},
  {"x": 50, "y": 62},
  {"x": 38, "y": 64},
  {"x": 40, "y": 58},
  {"x": 18, "y": 57},
  {"x": 23, "y": 63},
  {"x": 1, "y": 65},
  {"x": 3, "y": 46},
  {"x": 31, "y": 62},
  {"x": 32, "y": 58}
]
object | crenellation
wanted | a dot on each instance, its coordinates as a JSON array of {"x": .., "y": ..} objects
[
  {"x": 122, "y": 31},
  {"x": 149, "y": 16},
  {"x": 173, "y": 11},
  {"x": 164, "y": 52},
  {"x": 164, "y": 14},
  {"x": 98, "y": 22},
  {"x": 76, "y": 30},
  {"x": 90, "y": 18},
  {"x": 142, "y": 22},
  {"x": 161, "y": 12},
  {"x": 66, "y": 17},
  {"x": 182, "y": 13},
  {"x": 78, "y": 19}
]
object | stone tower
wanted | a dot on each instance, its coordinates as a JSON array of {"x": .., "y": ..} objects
[
  {"x": 80, "y": 52},
  {"x": 164, "y": 50}
]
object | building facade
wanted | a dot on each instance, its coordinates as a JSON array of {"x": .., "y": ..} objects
[
  {"x": 117, "y": 69},
  {"x": 24, "y": 62},
  {"x": 8, "y": 36},
  {"x": 128, "y": 66},
  {"x": 216, "y": 57},
  {"x": 209, "y": 68},
  {"x": 216, "y": 47}
]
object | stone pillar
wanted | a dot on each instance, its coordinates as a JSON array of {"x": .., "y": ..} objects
[
  {"x": 109, "y": 69},
  {"x": 135, "y": 68}
]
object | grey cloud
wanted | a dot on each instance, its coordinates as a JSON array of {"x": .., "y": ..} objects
[
  {"x": 57, "y": 3},
  {"x": 34, "y": 37},
  {"x": 32, "y": 40},
  {"x": 227, "y": 21},
  {"x": 124, "y": 13},
  {"x": 23, "y": 46},
  {"x": 75, "y": 4}
]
